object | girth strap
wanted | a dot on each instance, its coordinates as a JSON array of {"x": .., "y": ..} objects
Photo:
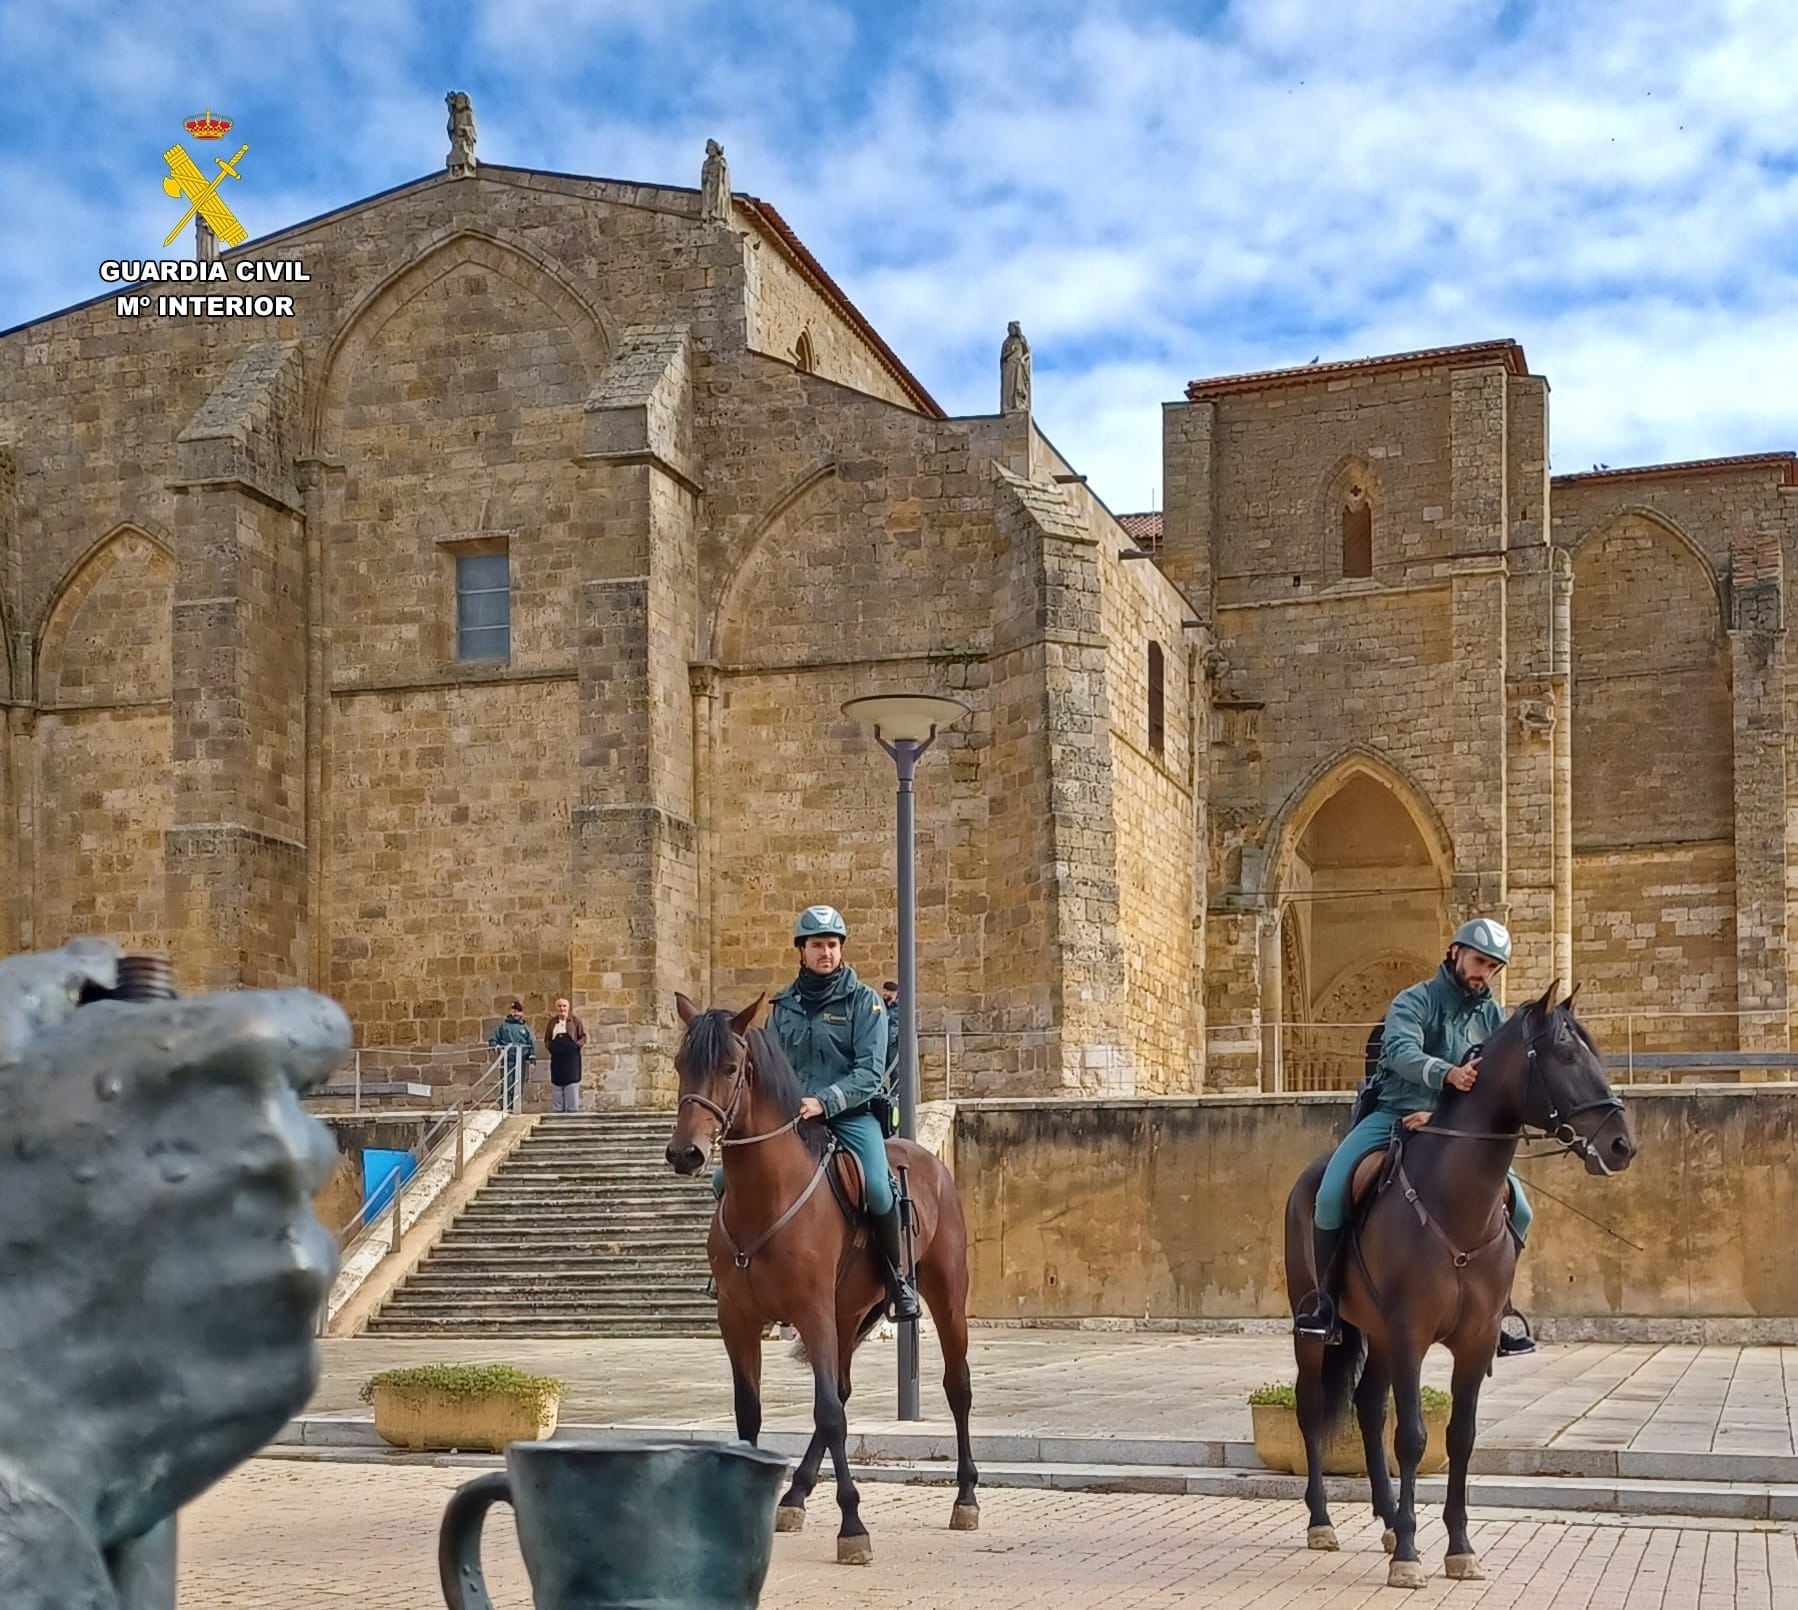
[{"x": 741, "y": 1256}]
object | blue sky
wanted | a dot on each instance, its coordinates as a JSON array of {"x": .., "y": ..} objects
[{"x": 1157, "y": 191}]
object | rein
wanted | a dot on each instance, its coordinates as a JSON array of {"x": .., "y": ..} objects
[
  {"x": 727, "y": 1117},
  {"x": 1557, "y": 1129}
]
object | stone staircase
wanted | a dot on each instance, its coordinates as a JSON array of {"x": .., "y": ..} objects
[{"x": 583, "y": 1231}]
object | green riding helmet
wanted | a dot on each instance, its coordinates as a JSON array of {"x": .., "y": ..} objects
[
  {"x": 817, "y": 922},
  {"x": 1487, "y": 935}
]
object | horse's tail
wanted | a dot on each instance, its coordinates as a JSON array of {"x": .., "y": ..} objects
[
  {"x": 1341, "y": 1374},
  {"x": 869, "y": 1321}
]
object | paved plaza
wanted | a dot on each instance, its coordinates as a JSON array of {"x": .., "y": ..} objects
[
  {"x": 1652, "y": 1400},
  {"x": 283, "y": 1534}
]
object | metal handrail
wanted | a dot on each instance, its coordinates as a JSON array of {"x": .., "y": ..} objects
[{"x": 504, "y": 1075}]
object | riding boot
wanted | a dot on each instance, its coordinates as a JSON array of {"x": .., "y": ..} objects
[
  {"x": 1316, "y": 1314},
  {"x": 899, "y": 1289}
]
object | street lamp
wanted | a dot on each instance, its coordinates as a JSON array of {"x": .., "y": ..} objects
[{"x": 905, "y": 725}]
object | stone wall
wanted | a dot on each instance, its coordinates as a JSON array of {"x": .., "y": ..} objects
[{"x": 1173, "y": 1209}]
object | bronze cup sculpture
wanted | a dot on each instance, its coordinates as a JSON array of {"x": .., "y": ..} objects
[{"x": 605, "y": 1525}]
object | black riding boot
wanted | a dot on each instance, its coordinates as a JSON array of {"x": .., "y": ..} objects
[
  {"x": 1316, "y": 1315},
  {"x": 899, "y": 1289}
]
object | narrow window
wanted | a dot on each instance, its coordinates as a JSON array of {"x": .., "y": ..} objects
[
  {"x": 1357, "y": 534},
  {"x": 1157, "y": 702},
  {"x": 804, "y": 355},
  {"x": 483, "y": 606}
]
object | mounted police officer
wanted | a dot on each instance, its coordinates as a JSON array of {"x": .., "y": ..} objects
[
  {"x": 834, "y": 1030},
  {"x": 1430, "y": 1039}
]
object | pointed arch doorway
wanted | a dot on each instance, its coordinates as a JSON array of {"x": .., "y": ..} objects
[{"x": 1363, "y": 903}]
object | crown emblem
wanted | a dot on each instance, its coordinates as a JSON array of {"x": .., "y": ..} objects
[{"x": 208, "y": 126}]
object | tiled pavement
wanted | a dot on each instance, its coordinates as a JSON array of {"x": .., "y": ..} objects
[
  {"x": 277, "y": 1535},
  {"x": 1646, "y": 1398}
]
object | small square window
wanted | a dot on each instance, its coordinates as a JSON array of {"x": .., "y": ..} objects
[{"x": 483, "y": 606}]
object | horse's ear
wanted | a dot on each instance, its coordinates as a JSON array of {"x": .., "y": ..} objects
[
  {"x": 1572, "y": 996},
  {"x": 1542, "y": 1005},
  {"x": 740, "y": 1023},
  {"x": 688, "y": 1011}
]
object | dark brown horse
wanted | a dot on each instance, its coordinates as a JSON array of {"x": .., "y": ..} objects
[
  {"x": 1432, "y": 1261},
  {"x": 782, "y": 1249}
]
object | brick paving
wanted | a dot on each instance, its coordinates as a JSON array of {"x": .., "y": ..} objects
[
  {"x": 279, "y": 1534},
  {"x": 1644, "y": 1397}
]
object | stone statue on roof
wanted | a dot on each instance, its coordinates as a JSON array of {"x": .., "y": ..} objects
[
  {"x": 1014, "y": 371},
  {"x": 714, "y": 185},
  {"x": 460, "y": 160}
]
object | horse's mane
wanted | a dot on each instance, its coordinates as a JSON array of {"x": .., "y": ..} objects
[
  {"x": 706, "y": 1044},
  {"x": 1514, "y": 1028},
  {"x": 775, "y": 1078}
]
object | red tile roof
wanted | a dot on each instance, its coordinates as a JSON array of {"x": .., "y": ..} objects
[
  {"x": 1786, "y": 463},
  {"x": 1507, "y": 352},
  {"x": 1143, "y": 529},
  {"x": 778, "y": 230}
]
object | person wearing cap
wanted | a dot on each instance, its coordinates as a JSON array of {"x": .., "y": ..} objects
[
  {"x": 1430, "y": 1039},
  {"x": 514, "y": 1031},
  {"x": 834, "y": 1029}
]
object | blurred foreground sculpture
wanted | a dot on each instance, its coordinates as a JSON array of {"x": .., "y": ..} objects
[{"x": 161, "y": 1269}]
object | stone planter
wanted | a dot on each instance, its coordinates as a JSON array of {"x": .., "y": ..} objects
[
  {"x": 1281, "y": 1447},
  {"x": 487, "y": 1422}
]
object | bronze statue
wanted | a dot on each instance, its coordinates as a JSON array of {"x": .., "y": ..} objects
[{"x": 161, "y": 1270}]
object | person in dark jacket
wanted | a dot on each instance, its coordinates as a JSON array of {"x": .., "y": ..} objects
[
  {"x": 889, "y": 998},
  {"x": 564, "y": 1035},
  {"x": 515, "y": 1032}
]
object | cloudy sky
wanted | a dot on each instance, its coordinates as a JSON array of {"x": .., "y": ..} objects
[{"x": 1158, "y": 191}]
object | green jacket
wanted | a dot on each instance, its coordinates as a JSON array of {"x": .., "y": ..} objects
[
  {"x": 1429, "y": 1028},
  {"x": 837, "y": 1045},
  {"x": 510, "y": 1033}
]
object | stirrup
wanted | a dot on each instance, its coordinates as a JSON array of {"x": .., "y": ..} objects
[
  {"x": 711, "y": 1286},
  {"x": 1317, "y": 1318},
  {"x": 898, "y": 1289}
]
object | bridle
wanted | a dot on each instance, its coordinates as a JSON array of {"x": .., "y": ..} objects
[
  {"x": 1557, "y": 1129},
  {"x": 727, "y": 1115}
]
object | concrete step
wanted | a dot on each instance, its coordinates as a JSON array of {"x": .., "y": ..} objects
[{"x": 452, "y": 1325}]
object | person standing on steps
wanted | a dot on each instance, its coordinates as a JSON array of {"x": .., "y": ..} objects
[
  {"x": 513, "y": 1037},
  {"x": 564, "y": 1035}
]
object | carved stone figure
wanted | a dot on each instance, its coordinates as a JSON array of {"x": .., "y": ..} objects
[
  {"x": 714, "y": 185},
  {"x": 1014, "y": 371},
  {"x": 460, "y": 160},
  {"x": 162, "y": 1266},
  {"x": 1536, "y": 717}
]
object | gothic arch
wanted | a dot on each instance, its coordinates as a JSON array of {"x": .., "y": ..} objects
[
  {"x": 1602, "y": 525},
  {"x": 751, "y": 544},
  {"x": 78, "y": 583},
  {"x": 588, "y": 325},
  {"x": 1315, "y": 791},
  {"x": 1328, "y": 496}
]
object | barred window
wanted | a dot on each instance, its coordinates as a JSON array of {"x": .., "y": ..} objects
[{"x": 484, "y": 606}]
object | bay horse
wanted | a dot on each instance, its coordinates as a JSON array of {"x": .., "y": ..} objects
[
  {"x": 1431, "y": 1260},
  {"x": 782, "y": 1249}
]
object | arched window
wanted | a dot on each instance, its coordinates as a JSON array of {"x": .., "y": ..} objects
[
  {"x": 1357, "y": 532},
  {"x": 804, "y": 355},
  {"x": 1157, "y": 702}
]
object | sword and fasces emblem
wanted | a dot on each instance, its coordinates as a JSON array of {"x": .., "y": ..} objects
[{"x": 185, "y": 179}]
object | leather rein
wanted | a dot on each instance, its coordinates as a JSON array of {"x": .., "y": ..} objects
[
  {"x": 727, "y": 1118},
  {"x": 1557, "y": 1129}
]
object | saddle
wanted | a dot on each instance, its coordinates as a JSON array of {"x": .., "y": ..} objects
[{"x": 849, "y": 1185}]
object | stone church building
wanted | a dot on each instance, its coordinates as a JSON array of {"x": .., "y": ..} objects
[{"x": 482, "y": 628}]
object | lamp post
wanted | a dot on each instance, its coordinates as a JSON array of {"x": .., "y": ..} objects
[{"x": 905, "y": 725}]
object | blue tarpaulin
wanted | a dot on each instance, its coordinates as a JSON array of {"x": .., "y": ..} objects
[{"x": 382, "y": 1173}]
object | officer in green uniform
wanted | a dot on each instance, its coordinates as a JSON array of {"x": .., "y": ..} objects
[
  {"x": 1430, "y": 1030},
  {"x": 834, "y": 1029}
]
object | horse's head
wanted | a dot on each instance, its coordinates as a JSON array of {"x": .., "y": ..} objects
[
  {"x": 713, "y": 1066},
  {"x": 1565, "y": 1093}
]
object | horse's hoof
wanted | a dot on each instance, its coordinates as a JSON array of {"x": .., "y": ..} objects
[
  {"x": 789, "y": 1518},
  {"x": 1322, "y": 1538},
  {"x": 1463, "y": 1568},
  {"x": 1389, "y": 1540},
  {"x": 855, "y": 1550},
  {"x": 1406, "y": 1574},
  {"x": 965, "y": 1518}
]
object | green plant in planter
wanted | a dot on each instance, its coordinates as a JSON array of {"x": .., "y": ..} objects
[
  {"x": 1280, "y": 1395},
  {"x": 466, "y": 1383}
]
